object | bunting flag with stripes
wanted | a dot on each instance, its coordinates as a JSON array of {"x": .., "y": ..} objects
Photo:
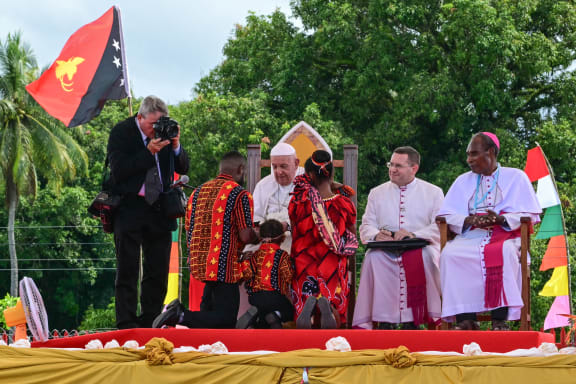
[
  {"x": 173, "y": 289},
  {"x": 552, "y": 227},
  {"x": 90, "y": 69}
]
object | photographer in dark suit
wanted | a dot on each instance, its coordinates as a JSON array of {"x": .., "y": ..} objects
[{"x": 141, "y": 168}]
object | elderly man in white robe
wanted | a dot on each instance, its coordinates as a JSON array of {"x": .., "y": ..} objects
[
  {"x": 272, "y": 193},
  {"x": 401, "y": 289},
  {"x": 480, "y": 269}
]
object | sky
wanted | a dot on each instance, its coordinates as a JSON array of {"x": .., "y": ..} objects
[{"x": 170, "y": 44}]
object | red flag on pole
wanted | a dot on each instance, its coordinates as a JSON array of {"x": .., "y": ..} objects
[
  {"x": 536, "y": 167},
  {"x": 90, "y": 70}
]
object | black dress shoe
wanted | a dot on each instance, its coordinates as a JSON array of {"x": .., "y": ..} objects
[
  {"x": 327, "y": 319},
  {"x": 273, "y": 321},
  {"x": 304, "y": 320},
  {"x": 248, "y": 319},
  {"x": 500, "y": 325},
  {"x": 467, "y": 325},
  {"x": 386, "y": 326},
  {"x": 410, "y": 326},
  {"x": 170, "y": 316}
]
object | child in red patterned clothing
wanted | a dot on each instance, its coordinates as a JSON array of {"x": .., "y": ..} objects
[{"x": 268, "y": 275}]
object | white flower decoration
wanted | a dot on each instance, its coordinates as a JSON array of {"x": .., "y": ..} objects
[
  {"x": 472, "y": 349},
  {"x": 112, "y": 344},
  {"x": 94, "y": 344},
  {"x": 132, "y": 344},
  {"x": 338, "y": 343}
]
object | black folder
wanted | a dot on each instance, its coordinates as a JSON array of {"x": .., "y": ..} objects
[{"x": 399, "y": 246}]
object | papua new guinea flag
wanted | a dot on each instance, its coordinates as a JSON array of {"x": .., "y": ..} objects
[{"x": 90, "y": 70}]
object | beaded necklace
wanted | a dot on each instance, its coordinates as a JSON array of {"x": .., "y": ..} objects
[{"x": 479, "y": 201}]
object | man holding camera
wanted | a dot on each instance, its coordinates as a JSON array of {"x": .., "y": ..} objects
[{"x": 144, "y": 151}]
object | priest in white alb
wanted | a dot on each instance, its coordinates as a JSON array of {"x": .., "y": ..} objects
[
  {"x": 400, "y": 288},
  {"x": 480, "y": 269}
]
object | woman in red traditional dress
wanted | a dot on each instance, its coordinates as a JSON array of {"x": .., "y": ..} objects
[{"x": 323, "y": 237}]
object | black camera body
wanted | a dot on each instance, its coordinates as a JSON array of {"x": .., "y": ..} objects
[{"x": 165, "y": 128}]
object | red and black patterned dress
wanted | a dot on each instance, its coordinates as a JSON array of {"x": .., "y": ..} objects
[{"x": 321, "y": 244}]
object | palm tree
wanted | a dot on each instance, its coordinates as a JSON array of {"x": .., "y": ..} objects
[{"x": 31, "y": 142}]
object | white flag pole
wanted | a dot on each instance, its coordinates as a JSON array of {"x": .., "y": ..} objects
[{"x": 125, "y": 62}]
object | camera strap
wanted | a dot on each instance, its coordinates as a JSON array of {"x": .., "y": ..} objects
[
  {"x": 105, "y": 182},
  {"x": 171, "y": 179}
]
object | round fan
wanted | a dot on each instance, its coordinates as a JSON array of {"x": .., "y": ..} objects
[{"x": 36, "y": 316}]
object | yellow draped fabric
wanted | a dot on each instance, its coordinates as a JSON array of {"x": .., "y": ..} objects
[{"x": 157, "y": 363}]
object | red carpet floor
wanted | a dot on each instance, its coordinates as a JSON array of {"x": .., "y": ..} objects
[{"x": 281, "y": 340}]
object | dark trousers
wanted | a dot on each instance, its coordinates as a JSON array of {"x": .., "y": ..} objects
[
  {"x": 271, "y": 301},
  {"x": 496, "y": 314},
  {"x": 140, "y": 228},
  {"x": 218, "y": 309}
]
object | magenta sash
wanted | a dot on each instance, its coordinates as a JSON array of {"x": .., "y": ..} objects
[
  {"x": 494, "y": 261},
  {"x": 416, "y": 285}
]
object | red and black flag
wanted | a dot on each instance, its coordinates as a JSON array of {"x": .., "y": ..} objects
[{"x": 90, "y": 70}]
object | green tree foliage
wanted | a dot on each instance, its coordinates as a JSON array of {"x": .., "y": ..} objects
[
  {"x": 31, "y": 143},
  {"x": 7, "y": 302},
  {"x": 420, "y": 73},
  {"x": 215, "y": 124},
  {"x": 261, "y": 48},
  {"x": 66, "y": 253},
  {"x": 95, "y": 318}
]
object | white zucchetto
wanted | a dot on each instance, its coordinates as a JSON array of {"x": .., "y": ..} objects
[{"x": 283, "y": 149}]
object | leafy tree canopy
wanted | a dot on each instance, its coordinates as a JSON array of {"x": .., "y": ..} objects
[{"x": 427, "y": 74}]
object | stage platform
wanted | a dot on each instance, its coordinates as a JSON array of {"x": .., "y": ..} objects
[
  {"x": 283, "y": 340},
  {"x": 376, "y": 357}
]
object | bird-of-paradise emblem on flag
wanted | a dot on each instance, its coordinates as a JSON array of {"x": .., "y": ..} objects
[{"x": 67, "y": 68}]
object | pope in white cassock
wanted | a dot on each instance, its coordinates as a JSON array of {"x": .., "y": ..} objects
[
  {"x": 395, "y": 289},
  {"x": 272, "y": 193},
  {"x": 480, "y": 268}
]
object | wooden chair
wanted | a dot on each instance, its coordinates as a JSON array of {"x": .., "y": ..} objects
[{"x": 524, "y": 249}]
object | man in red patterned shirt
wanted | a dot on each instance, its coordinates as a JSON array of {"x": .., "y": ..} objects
[{"x": 219, "y": 224}]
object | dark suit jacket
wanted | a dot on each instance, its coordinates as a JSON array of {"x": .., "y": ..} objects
[{"x": 130, "y": 160}]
